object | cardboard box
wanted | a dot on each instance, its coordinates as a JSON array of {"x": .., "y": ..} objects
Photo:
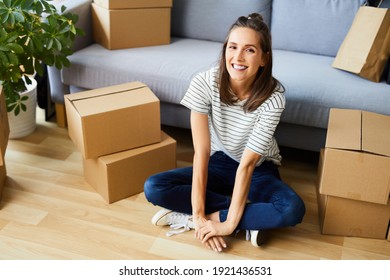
[
  {"x": 131, "y": 23},
  {"x": 4, "y": 126},
  {"x": 123, "y": 174},
  {"x": 357, "y": 156},
  {"x": 349, "y": 217},
  {"x": 113, "y": 119}
]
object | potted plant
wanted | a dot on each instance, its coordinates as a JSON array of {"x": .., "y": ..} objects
[{"x": 33, "y": 33}]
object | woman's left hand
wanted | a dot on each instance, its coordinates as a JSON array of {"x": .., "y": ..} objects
[{"x": 210, "y": 229}]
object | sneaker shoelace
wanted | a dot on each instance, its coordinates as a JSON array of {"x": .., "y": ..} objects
[
  {"x": 179, "y": 223},
  {"x": 248, "y": 235}
]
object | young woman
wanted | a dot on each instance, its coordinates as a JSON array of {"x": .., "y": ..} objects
[{"x": 234, "y": 183}]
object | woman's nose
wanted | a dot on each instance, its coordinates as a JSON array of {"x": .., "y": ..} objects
[{"x": 239, "y": 55}]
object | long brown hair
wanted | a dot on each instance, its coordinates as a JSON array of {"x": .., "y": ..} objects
[{"x": 265, "y": 84}]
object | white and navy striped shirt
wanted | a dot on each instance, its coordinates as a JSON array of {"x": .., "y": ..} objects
[{"x": 231, "y": 129}]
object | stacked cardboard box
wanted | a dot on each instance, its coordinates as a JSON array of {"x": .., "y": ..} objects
[
  {"x": 117, "y": 130},
  {"x": 354, "y": 175},
  {"x": 4, "y": 133},
  {"x": 119, "y": 24}
]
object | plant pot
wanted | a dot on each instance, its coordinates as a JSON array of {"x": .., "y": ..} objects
[{"x": 25, "y": 123}]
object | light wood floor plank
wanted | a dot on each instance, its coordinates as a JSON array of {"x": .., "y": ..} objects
[{"x": 49, "y": 211}]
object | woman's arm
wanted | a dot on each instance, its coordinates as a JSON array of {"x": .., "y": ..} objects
[
  {"x": 241, "y": 188},
  {"x": 201, "y": 142},
  {"x": 239, "y": 199}
]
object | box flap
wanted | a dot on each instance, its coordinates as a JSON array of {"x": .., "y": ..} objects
[
  {"x": 376, "y": 133},
  {"x": 344, "y": 129},
  {"x": 104, "y": 91},
  {"x": 111, "y": 98},
  {"x": 134, "y": 4}
]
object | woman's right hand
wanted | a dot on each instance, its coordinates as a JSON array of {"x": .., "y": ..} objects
[{"x": 215, "y": 243}]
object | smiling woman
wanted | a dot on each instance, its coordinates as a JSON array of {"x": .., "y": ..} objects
[
  {"x": 234, "y": 183},
  {"x": 243, "y": 61}
]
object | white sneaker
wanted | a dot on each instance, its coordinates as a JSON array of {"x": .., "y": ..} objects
[
  {"x": 257, "y": 237},
  {"x": 178, "y": 222}
]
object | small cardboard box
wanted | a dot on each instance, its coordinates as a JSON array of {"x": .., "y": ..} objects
[
  {"x": 357, "y": 156},
  {"x": 113, "y": 119},
  {"x": 123, "y": 174},
  {"x": 4, "y": 126},
  {"x": 131, "y": 23},
  {"x": 349, "y": 217}
]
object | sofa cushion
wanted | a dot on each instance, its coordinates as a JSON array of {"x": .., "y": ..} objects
[
  {"x": 313, "y": 87},
  {"x": 317, "y": 27},
  {"x": 166, "y": 69},
  {"x": 211, "y": 20}
]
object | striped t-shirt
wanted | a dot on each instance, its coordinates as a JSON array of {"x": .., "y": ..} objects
[{"x": 231, "y": 129}]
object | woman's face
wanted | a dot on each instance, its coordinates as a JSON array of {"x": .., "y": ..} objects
[{"x": 243, "y": 56}]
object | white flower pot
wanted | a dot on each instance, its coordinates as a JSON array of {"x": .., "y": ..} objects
[{"x": 25, "y": 123}]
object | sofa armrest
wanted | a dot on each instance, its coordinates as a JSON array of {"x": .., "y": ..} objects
[{"x": 83, "y": 9}]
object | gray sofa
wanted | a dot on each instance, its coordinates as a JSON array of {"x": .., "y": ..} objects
[{"x": 306, "y": 37}]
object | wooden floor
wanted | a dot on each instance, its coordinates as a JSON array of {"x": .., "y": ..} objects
[{"x": 48, "y": 211}]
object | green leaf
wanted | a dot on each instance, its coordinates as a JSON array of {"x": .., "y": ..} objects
[
  {"x": 29, "y": 66},
  {"x": 38, "y": 44},
  {"x": 18, "y": 16},
  {"x": 66, "y": 62},
  {"x": 39, "y": 8},
  {"x": 4, "y": 48},
  {"x": 7, "y": 3},
  {"x": 11, "y": 107},
  {"x": 17, "y": 110},
  {"x": 4, "y": 59},
  {"x": 23, "y": 106},
  {"x": 12, "y": 58},
  {"x": 24, "y": 98},
  {"x": 16, "y": 48},
  {"x": 39, "y": 68},
  {"x": 26, "y": 4},
  {"x": 58, "y": 45},
  {"x": 48, "y": 8},
  {"x": 5, "y": 18},
  {"x": 50, "y": 43},
  {"x": 3, "y": 34},
  {"x": 12, "y": 37},
  {"x": 11, "y": 19}
]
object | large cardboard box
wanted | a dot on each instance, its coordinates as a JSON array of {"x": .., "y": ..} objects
[
  {"x": 357, "y": 156},
  {"x": 4, "y": 126},
  {"x": 113, "y": 119},
  {"x": 349, "y": 217},
  {"x": 118, "y": 176},
  {"x": 131, "y": 23},
  {"x": 354, "y": 175}
]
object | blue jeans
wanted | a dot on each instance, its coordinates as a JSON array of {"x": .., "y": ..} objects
[{"x": 271, "y": 202}]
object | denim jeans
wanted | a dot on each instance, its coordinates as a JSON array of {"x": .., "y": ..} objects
[{"x": 271, "y": 202}]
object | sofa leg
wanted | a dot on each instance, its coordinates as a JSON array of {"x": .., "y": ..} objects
[{"x": 61, "y": 115}]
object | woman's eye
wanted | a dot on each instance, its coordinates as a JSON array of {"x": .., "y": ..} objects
[{"x": 251, "y": 50}]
